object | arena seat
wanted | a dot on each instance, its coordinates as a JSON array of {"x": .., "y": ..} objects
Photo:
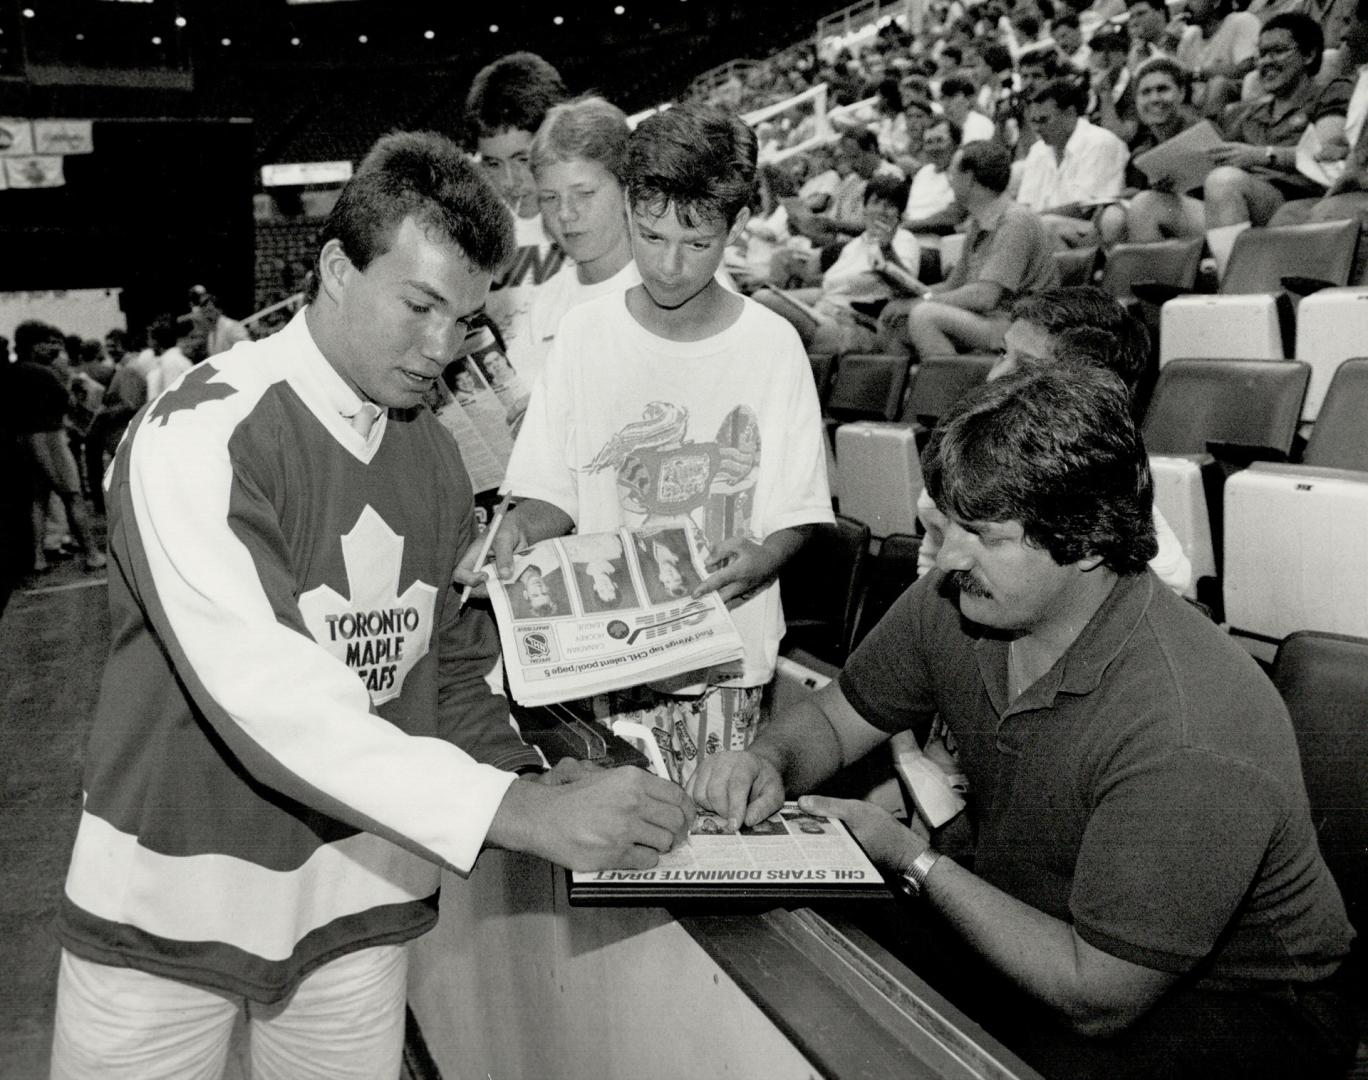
[
  {"x": 1164, "y": 263},
  {"x": 1296, "y": 552},
  {"x": 1076, "y": 265},
  {"x": 1323, "y": 679},
  {"x": 1252, "y": 316},
  {"x": 1332, "y": 326},
  {"x": 867, "y": 386},
  {"x": 1252, "y": 404},
  {"x": 878, "y": 474},
  {"x": 939, "y": 381},
  {"x": 1339, "y": 439},
  {"x": 823, "y": 368},
  {"x": 821, "y": 587},
  {"x": 891, "y": 572},
  {"x": 1180, "y": 494}
]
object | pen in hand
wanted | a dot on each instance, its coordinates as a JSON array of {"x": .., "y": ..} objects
[{"x": 487, "y": 543}]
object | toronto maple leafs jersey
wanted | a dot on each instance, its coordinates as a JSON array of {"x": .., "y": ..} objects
[{"x": 296, "y": 727}]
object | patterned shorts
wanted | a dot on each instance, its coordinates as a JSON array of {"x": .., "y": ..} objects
[{"x": 687, "y": 728}]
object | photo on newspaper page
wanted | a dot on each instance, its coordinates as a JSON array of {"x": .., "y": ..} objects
[
  {"x": 793, "y": 857},
  {"x": 584, "y": 614}
]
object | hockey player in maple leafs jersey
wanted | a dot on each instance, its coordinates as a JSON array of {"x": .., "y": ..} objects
[{"x": 255, "y": 804}]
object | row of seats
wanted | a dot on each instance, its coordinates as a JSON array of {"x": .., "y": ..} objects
[{"x": 1276, "y": 530}]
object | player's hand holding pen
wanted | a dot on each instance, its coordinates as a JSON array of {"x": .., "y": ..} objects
[{"x": 517, "y": 524}]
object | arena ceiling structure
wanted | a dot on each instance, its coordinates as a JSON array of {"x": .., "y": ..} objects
[{"x": 187, "y": 55}]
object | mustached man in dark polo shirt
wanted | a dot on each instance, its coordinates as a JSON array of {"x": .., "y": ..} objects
[{"x": 1147, "y": 897}]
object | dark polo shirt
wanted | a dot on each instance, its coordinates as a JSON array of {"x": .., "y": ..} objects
[{"x": 1146, "y": 789}]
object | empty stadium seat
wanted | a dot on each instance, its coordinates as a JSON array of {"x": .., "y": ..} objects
[
  {"x": 1340, "y": 438},
  {"x": 1251, "y": 404},
  {"x": 878, "y": 475},
  {"x": 1076, "y": 265},
  {"x": 891, "y": 572},
  {"x": 1251, "y": 318},
  {"x": 823, "y": 367},
  {"x": 1332, "y": 325},
  {"x": 867, "y": 387},
  {"x": 1171, "y": 263},
  {"x": 1296, "y": 553},
  {"x": 820, "y": 587},
  {"x": 939, "y": 381},
  {"x": 1323, "y": 679},
  {"x": 1180, "y": 493}
]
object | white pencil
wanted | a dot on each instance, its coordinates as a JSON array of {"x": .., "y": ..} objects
[{"x": 487, "y": 543}]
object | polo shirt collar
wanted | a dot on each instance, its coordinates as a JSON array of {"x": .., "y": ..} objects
[
  {"x": 993, "y": 214},
  {"x": 1079, "y": 671},
  {"x": 1277, "y": 110}
]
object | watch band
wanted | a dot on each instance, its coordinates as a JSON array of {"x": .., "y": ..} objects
[{"x": 914, "y": 877}]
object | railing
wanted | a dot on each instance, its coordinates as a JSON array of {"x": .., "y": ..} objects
[
  {"x": 712, "y": 79},
  {"x": 850, "y": 20}
]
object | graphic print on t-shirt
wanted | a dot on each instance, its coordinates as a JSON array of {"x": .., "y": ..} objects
[
  {"x": 664, "y": 476},
  {"x": 376, "y": 632}
]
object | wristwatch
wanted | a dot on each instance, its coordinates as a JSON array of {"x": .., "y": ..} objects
[{"x": 913, "y": 880}]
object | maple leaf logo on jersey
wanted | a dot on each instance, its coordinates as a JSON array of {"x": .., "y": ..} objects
[
  {"x": 377, "y": 633},
  {"x": 194, "y": 390}
]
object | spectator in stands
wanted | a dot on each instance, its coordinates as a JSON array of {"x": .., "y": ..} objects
[
  {"x": 220, "y": 333},
  {"x": 1219, "y": 45},
  {"x": 857, "y": 159},
  {"x": 1069, "y": 39},
  {"x": 38, "y": 409},
  {"x": 1147, "y": 897},
  {"x": 1147, "y": 27},
  {"x": 1035, "y": 70},
  {"x": 957, "y": 99},
  {"x": 1006, "y": 254},
  {"x": 507, "y": 102},
  {"x": 1257, "y": 165},
  {"x": 1073, "y": 166},
  {"x": 766, "y": 231},
  {"x": 1113, "y": 84},
  {"x": 1345, "y": 159},
  {"x": 1155, "y": 211},
  {"x": 878, "y": 264},
  {"x": 682, "y": 403},
  {"x": 931, "y": 205},
  {"x": 171, "y": 338},
  {"x": 819, "y": 183},
  {"x": 578, "y": 156}
]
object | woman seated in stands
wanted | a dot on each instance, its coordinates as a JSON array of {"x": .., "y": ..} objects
[
  {"x": 1155, "y": 211},
  {"x": 880, "y": 263}
]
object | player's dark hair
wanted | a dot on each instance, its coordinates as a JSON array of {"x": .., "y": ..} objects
[{"x": 425, "y": 176}]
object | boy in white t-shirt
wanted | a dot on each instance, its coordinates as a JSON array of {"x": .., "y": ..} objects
[
  {"x": 678, "y": 403},
  {"x": 577, "y": 160},
  {"x": 506, "y": 104}
]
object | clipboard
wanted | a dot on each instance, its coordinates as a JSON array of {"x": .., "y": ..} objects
[{"x": 1185, "y": 158}]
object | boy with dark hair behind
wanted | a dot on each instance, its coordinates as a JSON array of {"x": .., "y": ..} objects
[
  {"x": 505, "y": 105},
  {"x": 680, "y": 403}
]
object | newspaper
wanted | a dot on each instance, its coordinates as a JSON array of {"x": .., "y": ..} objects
[
  {"x": 480, "y": 400},
  {"x": 792, "y": 856},
  {"x": 584, "y": 614}
]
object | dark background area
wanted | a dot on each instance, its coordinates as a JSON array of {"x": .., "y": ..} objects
[{"x": 185, "y": 123}]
